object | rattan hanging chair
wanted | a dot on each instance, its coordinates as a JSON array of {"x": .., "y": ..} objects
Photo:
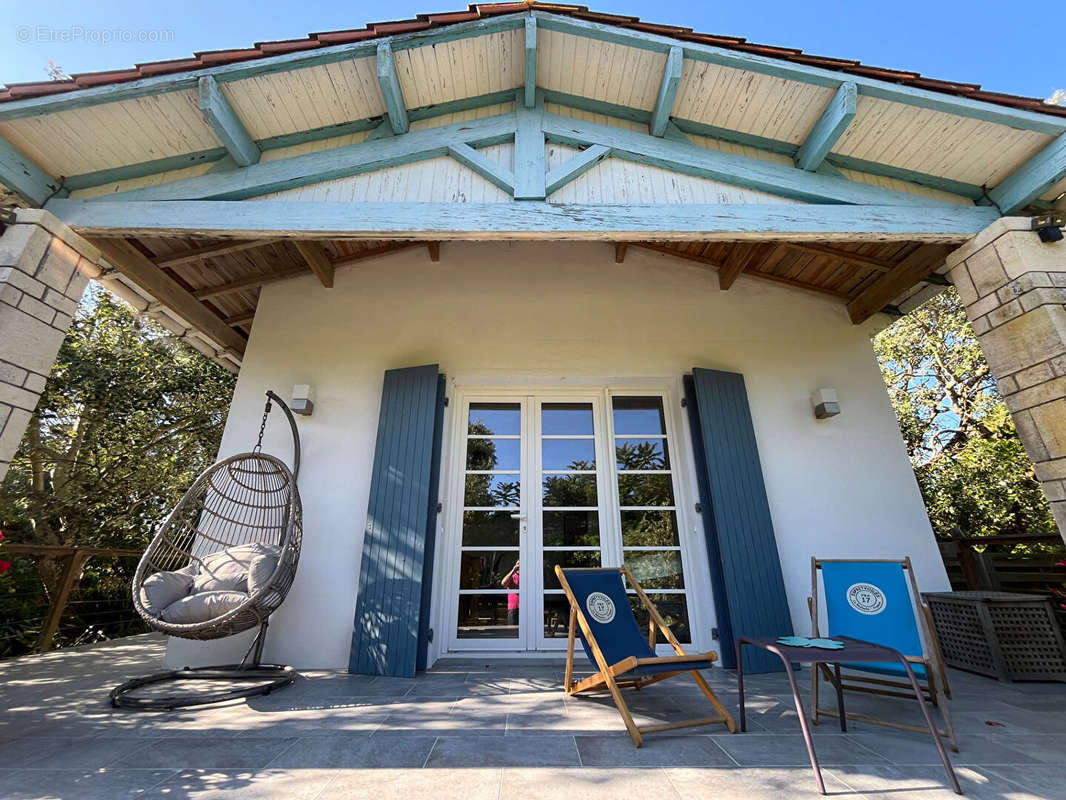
[{"x": 238, "y": 527}]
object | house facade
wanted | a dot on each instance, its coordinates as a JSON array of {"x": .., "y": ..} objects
[{"x": 563, "y": 285}]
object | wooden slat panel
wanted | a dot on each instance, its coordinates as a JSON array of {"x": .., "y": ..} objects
[
  {"x": 736, "y": 517},
  {"x": 387, "y": 614}
]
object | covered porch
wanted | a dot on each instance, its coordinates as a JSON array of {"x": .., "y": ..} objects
[{"x": 491, "y": 728}]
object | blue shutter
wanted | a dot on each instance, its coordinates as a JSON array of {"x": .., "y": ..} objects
[
  {"x": 749, "y": 591},
  {"x": 401, "y": 511}
]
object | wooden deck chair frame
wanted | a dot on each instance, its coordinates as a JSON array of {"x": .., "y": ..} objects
[
  {"x": 936, "y": 686},
  {"x": 612, "y": 676}
]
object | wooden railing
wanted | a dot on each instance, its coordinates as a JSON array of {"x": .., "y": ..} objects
[
  {"x": 73, "y": 560},
  {"x": 1026, "y": 563}
]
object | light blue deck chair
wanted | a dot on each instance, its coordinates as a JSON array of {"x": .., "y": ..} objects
[
  {"x": 878, "y": 601},
  {"x": 602, "y": 617}
]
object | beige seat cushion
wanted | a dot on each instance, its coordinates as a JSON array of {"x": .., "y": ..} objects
[
  {"x": 164, "y": 588},
  {"x": 227, "y": 570},
  {"x": 202, "y": 607}
]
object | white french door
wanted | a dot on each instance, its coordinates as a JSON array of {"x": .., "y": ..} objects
[{"x": 574, "y": 479}]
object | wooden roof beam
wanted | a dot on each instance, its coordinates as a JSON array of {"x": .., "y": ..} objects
[
  {"x": 374, "y": 252},
  {"x": 664, "y": 104},
  {"x": 317, "y": 259},
  {"x": 620, "y": 249},
  {"x": 19, "y": 174},
  {"x": 908, "y": 272},
  {"x": 855, "y": 258},
  {"x": 209, "y": 251},
  {"x": 226, "y": 124},
  {"x": 240, "y": 320},
  {"x": 136, "y": 266},
  {"x": 1032, "y": 179},
  {"x": 250, "y": 282},
  {"x": 829, "y": 128},
  {"x": 390, "y": 89}
]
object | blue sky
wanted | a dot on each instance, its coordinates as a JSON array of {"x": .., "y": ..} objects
[{"x": 991, "y": 43}]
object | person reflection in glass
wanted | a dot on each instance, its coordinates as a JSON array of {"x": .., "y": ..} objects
[{"x": 511, "y": 582}]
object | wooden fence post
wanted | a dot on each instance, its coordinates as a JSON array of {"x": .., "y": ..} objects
[{"x": 71, "y": 570}]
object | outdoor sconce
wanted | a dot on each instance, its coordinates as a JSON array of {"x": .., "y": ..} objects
[
  {"x": 1049, "y": 227},
  {"x": 825, "y": 403},
  {"x": 302, "y": 400}
]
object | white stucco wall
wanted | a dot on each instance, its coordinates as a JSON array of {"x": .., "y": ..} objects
[{"x": 841, "y": 487}]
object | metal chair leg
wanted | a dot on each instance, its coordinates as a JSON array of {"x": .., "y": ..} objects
[
  {"x": 808, "y": 740},
  {"x": 932, "y": 726}
]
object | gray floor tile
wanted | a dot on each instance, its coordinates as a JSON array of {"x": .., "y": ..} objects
[
  {"x": 68, "y": 753},
  {"x": 928, "y": 783},
  {"x": 268, "y": 784},
  {"x": 239, "y": 751},
  {"x": 901, "y": 747},
  {"x": 421, "y": 784},
  {"x": 78, "y": 784},
  {"x": 505, "y": 751},
  {"x": 1044, "y": 781},
  {"x": 782, "y": 750},
  {"x": 658, "y": 750},
  {"x": 755, "y": 783},
  {"x": 587, "y": 783}
]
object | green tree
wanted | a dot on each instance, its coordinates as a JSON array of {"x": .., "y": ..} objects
[
  {"x": 973, "y": 472},
  {"x": 128, "y": 418}
]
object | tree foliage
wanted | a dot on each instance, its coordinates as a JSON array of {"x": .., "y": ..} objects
[{"x": 973, "y": 472}]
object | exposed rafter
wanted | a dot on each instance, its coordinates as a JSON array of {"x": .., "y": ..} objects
[
  {"x": 22, "y": 176},
  {"x": 489, "y": 170},
  {"x": 829, "y": 128},
  {"x": 530, "y": 88},
  {"x": 1032, "y": 179},
  {"x": 660, "y": 117},
  {"x": 577, "y": 166},
  {"x": 209, "y": 251},
  {"x": 908, "y": 272},
  {"x": 240, "y": 320},
  {"x": 735, "y": 263},
  {"x": 317, "y": 259},
  {"x": 390, "y": 88},
  {"x": 226, "y": 124},
  {"x": 856, "y": 258},
  {"x": 434, "y": 251},
  {"x": 374, "y": 252},
  {"x": 620, "y": 252},
  {"x": 251, "y": 282}
]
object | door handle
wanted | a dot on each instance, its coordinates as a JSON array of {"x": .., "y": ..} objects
[{"x": 519, "y": 516}]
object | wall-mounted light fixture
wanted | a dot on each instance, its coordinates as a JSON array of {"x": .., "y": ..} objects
[
  {"x": 826, "y": 404},
  {"x": 302, "y": 399},
  {"x": 1049, "y": 227}
]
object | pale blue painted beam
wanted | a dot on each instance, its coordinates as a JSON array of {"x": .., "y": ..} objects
[
  {"x": 1032, "y": 179},
  {"x": 19, "y": 174},
  {"x": 829, "y": 128},
  {"x": 271, "y": 218},
  {"x": 340, "y": 162},
  {"x": 113, "y": 174},
  {"x": 390, "y": 89},
  {"x": 226, "y": 124},
  {"x": 271, "y": 65},
  {"x": 803, "y": 73},
  {"x": 750, "y": 173},
  {"x": 576, "y": 167},
  {"x": 531, "y": 63},
  {"x": 529, "y": 167},
  {"x": 486, "y": 168},
  {"x": 664, "y": 104},
  {"x": 920, "y": 178},
  {"x": 596, "y": 106}
]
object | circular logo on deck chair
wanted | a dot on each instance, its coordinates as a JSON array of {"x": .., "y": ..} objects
[
  {"x": 866, "y": 598},
  {"x": 600, "y": 607}
]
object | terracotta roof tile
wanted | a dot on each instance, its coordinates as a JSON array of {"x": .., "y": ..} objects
[{"x": 18, "y": 91}]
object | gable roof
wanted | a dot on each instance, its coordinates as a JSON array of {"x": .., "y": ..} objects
[{"x": 213, "y": 58}]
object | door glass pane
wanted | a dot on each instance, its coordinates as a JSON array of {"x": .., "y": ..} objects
[
  {"x": 497, "y": 454},
  {"x": 486, "y": 569},
  {"x": 570, "y": 490},
  {"x": 638, "y": 416},
  {"x": 567, "y": 559},
  {"x": 569, "y": 454},
  {"x": 649, "y": 529},
  {"x": 645, "y": 490},
  {"x": 489, "y": 529},
  {"x": 571, "y": 528},
  {"x": 674, "y": 611},
  {"x": 642, "y": 454},
  {"x": 502, "y": 419},
  {"x": 491, "y": 490},
  {"x": 556, "y": 616},
  {"x": 566, "y": 419},
  {"x": 486, "y": 616},
  {"x": 656, "y": 569}
]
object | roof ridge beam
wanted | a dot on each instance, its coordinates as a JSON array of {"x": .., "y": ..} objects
[
  {"x": 226, "y": 124},
  {"x": 531, "y": 63},
  {"x": 390, "y": 89},
  {"x": 1032, "y": 179},
  {"x": 25, "y": 178},
  {"x": 340, "y": 162},
  {"x": 487, "y": 169},
  {"x": 664, "y": 104},
  {"x": 829, "y": 128},
  {"x": 750, "y": 173}
]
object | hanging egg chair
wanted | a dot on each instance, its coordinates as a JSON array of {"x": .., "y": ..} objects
[{"x": 221, "y": 563}]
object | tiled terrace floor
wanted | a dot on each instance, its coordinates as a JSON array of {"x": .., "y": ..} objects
[{"x": 499, "y": 730}]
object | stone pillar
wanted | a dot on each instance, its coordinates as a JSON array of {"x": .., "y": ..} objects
[
  {"x": 1014, "y": 289},
  {"x": 43, "y": 272}
]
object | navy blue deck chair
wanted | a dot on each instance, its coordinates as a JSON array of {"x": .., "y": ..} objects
[
  {"x": 878, "y": 601},
  {"x": 602, "y": 617}
]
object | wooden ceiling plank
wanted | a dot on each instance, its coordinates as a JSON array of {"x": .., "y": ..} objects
[
  {"x": 867, "y": 261},
  {"x": 317, "y": 259},
  {"x": 208, "y": 251},
  {"x": 909, "y": 271},
  {"x": 132, "y": 263},
  {"x": 374, "y": 252},
  {"x": 250, "y": 282}
]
